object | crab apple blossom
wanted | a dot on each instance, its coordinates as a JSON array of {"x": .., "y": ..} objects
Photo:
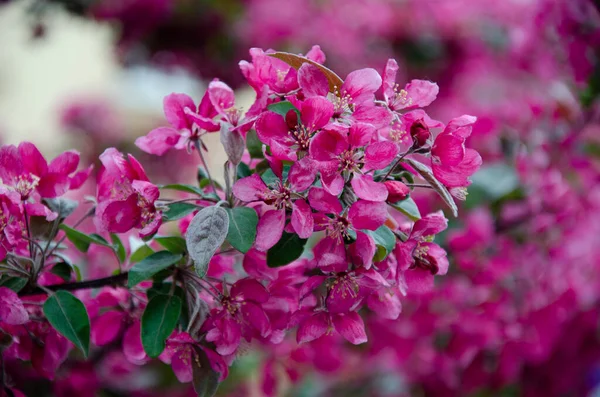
[{"x": 312, "y": 232}]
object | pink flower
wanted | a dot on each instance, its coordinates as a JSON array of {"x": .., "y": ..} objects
[
  {"x": 240, "y": 315},
  {"x": 330, "y": 252},
  {"x": 289, "y": 137},
  {"x": 278, "y": 76},
  {"x": 419, "y": 259},
  {"x": 125, "y": 196},
  {"x": 416, "y": 94},
  {"x": 348, "y": 155},
  {"x": 282, "y": 196},
  {"x": 12, "y": 310},
  {"x": 349, "y": 325},
  {"x": 11, "y": 222},
  {"x": 451, "y": 162},
  {"x": 25, "y": 171},
  {"x": 179, "y": 353}
]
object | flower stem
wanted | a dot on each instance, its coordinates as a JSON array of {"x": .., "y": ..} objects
[
  {"x": 97, "y": 283},
  {"x": 210, "y": 179}
]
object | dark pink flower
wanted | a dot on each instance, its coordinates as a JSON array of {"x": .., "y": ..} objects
[
  {"x": 419, "y": 259},
  {"x": 289, "y": 137},
  {"x": 264, "y": 70},
  {"x": 12, "y": 225},
  {"x": 26, "y": 171},
  {"x": 282, "y": 197},
  {"x": 416, "y": 94},
  {"x": 125, "y": 196},
  {"x": 451, "y": 162},
  {"x": 240, "y": 315},
  {"x": 340, "y": 224},
  {"x": 348, "y": 155},
  {"x": 179, "y": 353}
]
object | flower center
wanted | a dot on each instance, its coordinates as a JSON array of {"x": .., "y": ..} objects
[
  {"x": 424, "y": 260},
  {"x": 342, "y": 103},
  {"x": 148, "y": 210},
  {"x": 338, "y": 228},
  {"x": 400, "y": 99},
  {"x": 350, "y": 160},
  {"x": 280, "y": 197},
  {"x": 343, "y": 286},
  {"x": 302, "y": 136},
  {"x": 26, "y": 184}
]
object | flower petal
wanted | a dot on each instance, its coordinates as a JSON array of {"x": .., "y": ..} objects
[
  {"x": 368, "y": 215},
  {"x": 269, "y": 229},
  {"x": 302, "y": 219},
  {"x": 312, "y": 81},
  {"x": 351, "y": 327},
  {"x": 174, "y": 106},
  {"x": 312, "y": 328},
  {"x": 12, "y": 310},
  {"x": 379, "y": 155},
  {"x": 158, "y": 141},
  {"x": 250, "y": 188},
  {"x": 367, "y": 189},
  {"x": 323, "y": 201}
]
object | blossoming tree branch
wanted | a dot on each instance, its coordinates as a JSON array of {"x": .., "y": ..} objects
[{"x": 312, "y": 229}]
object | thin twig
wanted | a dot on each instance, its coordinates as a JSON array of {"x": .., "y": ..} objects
[
  {"x": 210, "y": 179},
  {"x": 97, "y": 283}
]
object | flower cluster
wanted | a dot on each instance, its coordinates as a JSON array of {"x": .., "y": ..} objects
[{"x": 316, "y": 161}]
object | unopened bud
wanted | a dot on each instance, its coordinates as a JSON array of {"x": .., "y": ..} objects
[
  {"x": 419, "y": 131},
  {"x": 397, "y": 191}
]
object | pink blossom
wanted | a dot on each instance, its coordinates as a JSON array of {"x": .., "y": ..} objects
[
  {"x": 12, "y": 310},
  {"x": 349, "y": 325},
  {"x": 416, "y": 94}
]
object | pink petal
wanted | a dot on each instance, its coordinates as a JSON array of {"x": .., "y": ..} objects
[
  {"x": 330, "y": 254},
  {"x": 106, "y": 327},
  {"x": 418, "y": 281},
  {"x": 122, "y": 216},
  {"x": 458, "y": 176},
  {"x": 181, "y": 362},
  {"x": 221, "y": 95},
  {"x": 312, "y": 328},
  {"x": 367, "y": 189},
  {"x": 461, "y": 126},
  {"x": 147, "y": 190},
  {"x": 361, "y": 134},
  {"x": 250, "y": 188},
  {"x": 65, "y": 163},
  {"x": 302, "y": 174},
  {"x": 322, "y": 201},
  {"x": 361, "y": 85},
  {"x": 271, "y": 125},
  {"x": 421, "y": 92},
  {"x": 256, "y": 316},
  {"x": 310, "y": 285},
  {"x": 80, "y": 177},
  {"x": 269, "y": 229},
  {"x": 364, "y": 248},
  {"x": 132, "y": 344},
  {"x": 158, "y": 141},
  {"x": 37, "y": 209},
  {"x": 332, "y": 180},
  {"x": 377, "y": 116},
  {"x": 230, "y": 337},
  {"x": 53, "y": 185},
  {"x": 342, "y": 298},
  {"x": 174, "y": 107},
  {"x": 389, "y": 78},
  {"x": 302, "y": 219},
  {"x": 316, "y": 112},
  {"x": 385, "y": 303},
  {"x": 12, "y": 310},
  {"x": 367, "y": 214},
  {"x": 316, "y": 54},
  {"x": 448, "y": 149},
  {"x": 379, "y": 155},
  {"x": 249, "y": 289},
  {"x": 429, "y": 225},
  {"x": 312, "y": 81},
  {"x": 32, "y": 159},
  {"x": 351, "y": 327},
  {"x": 327, "y": 145}
]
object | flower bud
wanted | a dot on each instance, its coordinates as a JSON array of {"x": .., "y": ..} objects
[
  {"x": 397, "y": 191},
  {"x": 419, "y": 131}
]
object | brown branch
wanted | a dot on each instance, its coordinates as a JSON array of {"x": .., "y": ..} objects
[{"x": 98, "y": 283}]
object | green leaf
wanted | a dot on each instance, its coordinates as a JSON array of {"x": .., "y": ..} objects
[
  {"x": 69, "y": 318},
  {"x": 254, "y": 145},
  {"x": 204, "y": 236},
  {"x": 427, "y": 174},
  {"x": 118, "y": 247},
  {"x": 173, "y": 244},
  {"x": 242, "y": 228},
  {"x": 243, "y": 171},
  {"x": 14, "y": 283},
  {"x": 81, "y": 240},
  {"x": 409, "y": 208},
  {"x": 269, "y": 177},
  {"x": 62, "y": 270},
  {"x": 177, "y": 211},
  {"x": 496, "y": 180},
  {"x": 384, "y": 240},
  {"x": 158, "y": 322},
  {"x": 184, "y": 188},
  {"x": 287, "y": 250},
  {"x": 141, "y": 253},
  {"x": 205, "y": 379},
  {"x": 151, "y": 265},
  {"x": 282, "y": 108}
]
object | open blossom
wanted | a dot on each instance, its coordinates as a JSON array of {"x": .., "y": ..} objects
[
  {"x": 240, "y": 315},
  {"x": 283, "y": 196},
  {"x": 416, "y": 94},
  {"x": 349, "y": 325},
  {"x": 12, "y": 310},
  {"x": 452, "y": 163},
  {"x": 126, "y": 199},
  {"x": 344, "y": 153},
  {"x": 419, "y": 259},
  {"x": 24, "y": 170}
]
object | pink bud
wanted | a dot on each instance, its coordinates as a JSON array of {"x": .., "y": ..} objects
[
  {"x": 420, "y": 133},
  {"x": 397, "y": 191}
]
